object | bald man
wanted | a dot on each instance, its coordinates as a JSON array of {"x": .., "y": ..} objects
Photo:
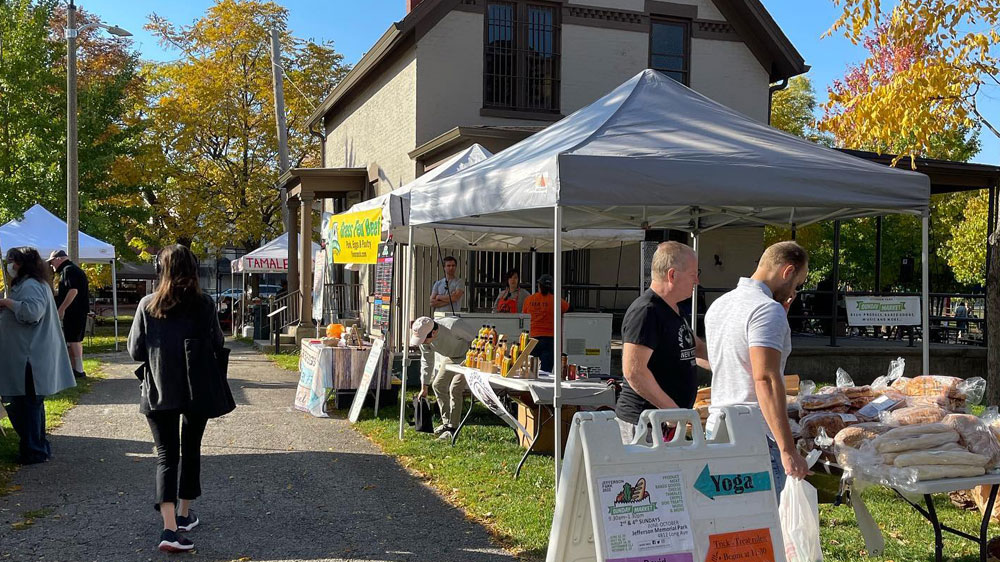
[{"x": 749, "y": 341}]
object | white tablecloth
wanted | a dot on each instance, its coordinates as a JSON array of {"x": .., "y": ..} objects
[{"x": 592, "y": 393}]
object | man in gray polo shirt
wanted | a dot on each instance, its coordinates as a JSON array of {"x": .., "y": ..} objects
[{"x": 749, "y": 340}]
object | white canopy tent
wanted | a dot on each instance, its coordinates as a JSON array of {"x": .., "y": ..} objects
[
  {"x": 655, "y": 154},
  {"x": 47, "y": 233},
  {"x": 269, "y": 258}
]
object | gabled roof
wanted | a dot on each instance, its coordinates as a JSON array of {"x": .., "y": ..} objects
[{"x": 749, "y": 17}]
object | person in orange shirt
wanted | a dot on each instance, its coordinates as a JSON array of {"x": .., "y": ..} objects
[{"x": 541, "y": 307}]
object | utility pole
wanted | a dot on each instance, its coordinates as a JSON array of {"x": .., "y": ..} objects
[
  {"x": 72, "y": 160},
  {"x": 279, "y": 114}
]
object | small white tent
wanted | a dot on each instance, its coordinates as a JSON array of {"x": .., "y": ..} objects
[
  {"x": 47, "y": 233},
  {"x": 269, "y": 258}
]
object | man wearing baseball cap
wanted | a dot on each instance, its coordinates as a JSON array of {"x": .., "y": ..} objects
[
  {"x": 73, "y": 300},
  {"x": 443, "y": 343}
]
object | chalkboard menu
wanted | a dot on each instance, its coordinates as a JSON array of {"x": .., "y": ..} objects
[{"x": 382, "y": 305}]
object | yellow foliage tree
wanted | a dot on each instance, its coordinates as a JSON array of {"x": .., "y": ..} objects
[
  {"x": 954, "y": 41},
  {"x": 212, "y": 116}
]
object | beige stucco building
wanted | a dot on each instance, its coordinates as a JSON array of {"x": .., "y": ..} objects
[{"x": 456, "y": 72}]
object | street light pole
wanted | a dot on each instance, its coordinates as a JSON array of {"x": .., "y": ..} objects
[
  {"x": 72, "y": 160},
  {"x": 72, "y": 144}
]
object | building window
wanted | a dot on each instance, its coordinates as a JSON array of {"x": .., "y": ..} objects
[
  {"x": 521, "y": 57},
  {"x": 670, "y": 48}
]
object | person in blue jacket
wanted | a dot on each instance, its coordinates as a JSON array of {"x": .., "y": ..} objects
[{"x": 31, "y": 344}]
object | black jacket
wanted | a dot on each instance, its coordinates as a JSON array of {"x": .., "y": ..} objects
[{"x": 159, "y": 344}]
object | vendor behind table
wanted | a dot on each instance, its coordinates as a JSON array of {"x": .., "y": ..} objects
[
  {"x": 541, "y": 307},
  {"x": 511, "y": 298}
]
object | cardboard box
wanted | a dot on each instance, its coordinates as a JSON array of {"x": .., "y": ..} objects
[{"x": 546, "y": 439}]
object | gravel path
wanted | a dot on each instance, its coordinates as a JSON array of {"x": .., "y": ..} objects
[{"x": 278, "y": 485}]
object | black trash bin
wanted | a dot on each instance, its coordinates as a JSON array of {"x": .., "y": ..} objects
[{"x": 261, "y": 323}]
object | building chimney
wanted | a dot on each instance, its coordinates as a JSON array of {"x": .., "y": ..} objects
[{"x": 410, "y": 4}]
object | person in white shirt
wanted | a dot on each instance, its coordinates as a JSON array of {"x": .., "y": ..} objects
[{"x": 749, "y": 340}]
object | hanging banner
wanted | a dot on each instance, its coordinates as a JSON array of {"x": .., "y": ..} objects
[
  {"x": 319, "y": 285},
  {"x": 353, "y": 237},
  {"x": 883, "y": 311}
]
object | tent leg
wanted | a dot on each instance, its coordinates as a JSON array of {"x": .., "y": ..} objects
[
  {"x": 557, "y": 334},
  {"x": 834, "y": 298},
  {"x": 232, "y": 303},
  {"x": 114, "y": 299},
  {"x": 405, "y": 328},
  {"x": 534, "y": 271},
  {"x": 694, "y": 292},
  {"x": 925, "y": 291}
]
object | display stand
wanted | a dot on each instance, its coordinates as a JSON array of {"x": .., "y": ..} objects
[
  {"x": 677, "y": 501},
  {"x": 371, "y": 366}
]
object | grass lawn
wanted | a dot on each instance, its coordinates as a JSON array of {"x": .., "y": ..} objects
[
  {"x": 103, "y": 340},
  {"x": 55, "y": 407}
]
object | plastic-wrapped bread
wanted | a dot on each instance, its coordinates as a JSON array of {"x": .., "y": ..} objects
[
  {"x": 793, "y": 408},
  {"x": 859, "y": 396},
  {"x": 900, "y": 383},
  {"x": 824, "y": 401},
  {"x": 854, "y": 435},
  {"x": 931, "y": 385},
  {"x": 913, "y": 415},
  {"x": 939, "y": 471},
  {"x": 890, "y": 458},
  {"x": 918, "y": 437},
  {"x": 915, "y": 458},
  {"x": 976, "y": 436},
  {"x": 829, "y": 422}
]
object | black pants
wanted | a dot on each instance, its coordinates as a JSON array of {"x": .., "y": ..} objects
[
  {"x": 544, "y": 352},
  {"x": 27, "y": 416},
  {"x": 177, "y": 443}
]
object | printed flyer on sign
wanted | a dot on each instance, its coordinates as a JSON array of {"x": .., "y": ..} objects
[
  {"x": 353, "y": 237},
  {"x": 646, "y": 518}
]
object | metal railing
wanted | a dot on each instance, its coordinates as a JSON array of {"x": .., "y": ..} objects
[
  {"x": 342, "y": 300},
  {"x": 292, "y": 304}
]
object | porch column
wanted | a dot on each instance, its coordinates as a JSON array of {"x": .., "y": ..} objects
[
  {"x": 305, "y": 264},
  {"x": 293, "y": 243}
]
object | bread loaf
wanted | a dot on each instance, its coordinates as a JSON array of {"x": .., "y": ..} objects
[
  {"x": 914, "y": 458},
  {"x": 928, "y": 385},
  {"x": 890, "y": 458},
  {"x": 854, "y": 435},
  {"x": 830, "y": 422},
  {"x": 939, "y": 471},
  {"x": 975, "y": 435},
  {"x": 824, "y": 401},
  {"x": 886, "y": 444},
  {"x": 913, "y": 415},
  {"x": 900, "y": 383}
]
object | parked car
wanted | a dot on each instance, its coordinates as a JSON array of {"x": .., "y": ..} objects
[
  {"x": 228, "y": 294},
  {"x": 269, "y": 290}
]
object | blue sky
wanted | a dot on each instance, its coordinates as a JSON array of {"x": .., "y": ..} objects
[{"x": 354, "y": 26}]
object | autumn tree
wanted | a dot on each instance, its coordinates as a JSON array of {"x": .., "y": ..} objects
[
  {"x": 33, "y": 119},
  {"x": 212, "y": 116},
  {"x": 956, "y": 42},
  {"x": 793, "y": 110}
]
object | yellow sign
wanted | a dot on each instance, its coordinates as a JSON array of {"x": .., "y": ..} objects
[{"x": 353, "y": 237}]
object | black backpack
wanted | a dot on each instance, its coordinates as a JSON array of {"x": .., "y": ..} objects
[{"x": 422, "y": 415}]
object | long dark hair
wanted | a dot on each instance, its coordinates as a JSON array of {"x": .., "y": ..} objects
[
  {"x": 177, "y": 271},
  {"x": 29, "y": 266}
]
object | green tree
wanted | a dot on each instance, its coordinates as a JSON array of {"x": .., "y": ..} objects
[
  {"x": 212, "y": 116},
  {"x": 792, "y": 110}
]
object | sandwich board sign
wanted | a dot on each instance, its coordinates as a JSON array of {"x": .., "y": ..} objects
[
  {"x": 686, "y": 500},
  {"x": 371, "y": 367}
]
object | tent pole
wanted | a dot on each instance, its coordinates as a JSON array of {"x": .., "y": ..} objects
[
  {"x": 232, "y": 303},
  {"x": 694, "y": 292},
  {"x": 925, "y": 291},
  {"x": 878, "y": 255},
  {"x": 405, "y": 326},
  {"x": 534, "y": 272},
  {"x": 114, "y": 299},
  {"x": 834, "y": 298},
  {"x": 557, "y": 333}
]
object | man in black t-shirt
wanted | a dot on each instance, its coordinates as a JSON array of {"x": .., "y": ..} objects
[
  {"x": 73, "y": 300},
  {"x": 660, "y": 354}
]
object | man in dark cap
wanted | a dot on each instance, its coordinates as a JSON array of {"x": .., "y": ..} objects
[{"x": 73, "y": 300}]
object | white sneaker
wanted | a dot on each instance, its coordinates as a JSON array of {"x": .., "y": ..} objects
[
  {"x": 446, "y": 435},
  {"x": 440, "y": 429}
]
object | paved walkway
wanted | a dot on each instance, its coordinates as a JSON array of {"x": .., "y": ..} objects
[{"x": 278, "y": 485}]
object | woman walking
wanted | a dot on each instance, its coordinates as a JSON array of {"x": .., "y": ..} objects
[
  {"x": 34, "y": 363},
  {"x": 175, "y": 312}
]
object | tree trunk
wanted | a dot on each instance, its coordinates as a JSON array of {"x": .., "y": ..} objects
[{"x": 993, "y": 319}]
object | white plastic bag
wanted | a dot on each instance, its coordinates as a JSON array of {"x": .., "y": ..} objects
[{"x": 799, "y": 514}]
